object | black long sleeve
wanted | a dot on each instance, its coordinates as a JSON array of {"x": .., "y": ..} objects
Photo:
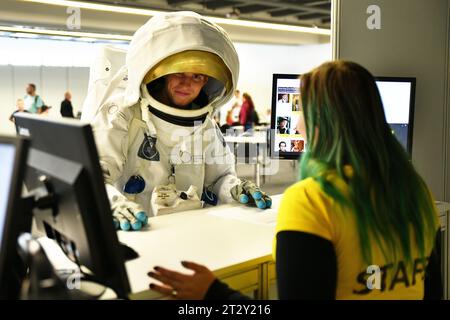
[
  {"x": 221, "y": 291},
  {"x": 306, "y": 269},
  {"x": 433, "y": 278}
]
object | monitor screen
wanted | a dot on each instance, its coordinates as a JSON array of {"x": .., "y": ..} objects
[
  {"x": 286, "y": 142},
  {"x": 7, "y": 161},
  {"x": 13, "y": 219},
  {"x": 80, "y": 220},
  {"x": 397, "y": 94}
]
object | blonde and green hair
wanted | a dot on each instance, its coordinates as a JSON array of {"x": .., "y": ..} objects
[{"x": 346, "y": 126}]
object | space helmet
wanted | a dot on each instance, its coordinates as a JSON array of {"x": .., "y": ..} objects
[{"x": 184, "y": 42}]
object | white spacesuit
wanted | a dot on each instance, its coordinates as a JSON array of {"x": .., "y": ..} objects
[{"x": 144, "y": 143}]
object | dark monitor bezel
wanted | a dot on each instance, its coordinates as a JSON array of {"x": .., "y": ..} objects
[
  {"x": 412, "y": 104},
  {"x": 293, "y": 155},
  {"x": 15, "y": 220},
  {"x": 273, "y": 119},
  {"x": 111, "y": 249}
]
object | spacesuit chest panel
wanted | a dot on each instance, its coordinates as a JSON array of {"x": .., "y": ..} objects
[
  {"x": 145, "y": 160},
  {"x": 157, "y": 150},
  {"x": 181, "y": 150}
]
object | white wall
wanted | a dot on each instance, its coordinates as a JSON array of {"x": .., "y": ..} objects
[
  {"x": 51, "y": 83},
  {"x": 405, "y": 47},
  {"x": 259, "y": 62},
  {"x": 57, "y": 66}
]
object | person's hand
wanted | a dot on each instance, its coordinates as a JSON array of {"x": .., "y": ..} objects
[
  {"x": 183, "y": 286},
  {"x": 248, "y": 193},
  {"x": 128, "y": 215}
]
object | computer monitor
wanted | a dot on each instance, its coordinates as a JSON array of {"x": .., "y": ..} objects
[
  {"x": 397, "y": 94},
  {"x": 13, "y": 221},
  {"x": 285, "y": 141},
  {"x": 63, "y": 162}
]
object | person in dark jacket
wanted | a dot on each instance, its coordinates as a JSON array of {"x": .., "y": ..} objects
[{"x": 66, "y": 106}]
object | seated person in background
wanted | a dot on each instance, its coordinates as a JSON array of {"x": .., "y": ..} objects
[
  {"x": 282, "y": 146},
  {"x": 20, "y": 104},
  {"x": 282, "y": 127},
  {"x": 357, "y": 209}
]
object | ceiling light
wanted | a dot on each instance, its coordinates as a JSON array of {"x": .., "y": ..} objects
[
  {"x": 147, "y": 12},
  {"x": 25, "y": 35},
  {"x": 74, "y": 34}
]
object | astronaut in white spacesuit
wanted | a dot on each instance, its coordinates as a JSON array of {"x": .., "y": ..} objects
[{"x": 154, "y": 128}]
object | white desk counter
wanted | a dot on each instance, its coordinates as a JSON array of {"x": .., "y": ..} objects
[{"x": 233, "y": 241}]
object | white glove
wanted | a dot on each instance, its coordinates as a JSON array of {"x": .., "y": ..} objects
[
  {"x": 127, "y": 215},
  {"x": 248, "y": 193}
]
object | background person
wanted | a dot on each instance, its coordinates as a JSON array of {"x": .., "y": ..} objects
[
  {"x": 66, "y": 106},
  {"x": 236, "y": 103},
  {"x": 20, "y": 105},
  {"x": 246, "y": 115},
  {"x": 33, "y": 102}
]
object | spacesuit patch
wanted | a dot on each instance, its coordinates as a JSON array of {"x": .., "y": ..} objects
[
  {"x": 134, "y": 185},
  {"x": 148, "y": 150},
  {"x": 209, "y": 197}
]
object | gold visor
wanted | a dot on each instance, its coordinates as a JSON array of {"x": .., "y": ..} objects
[{"x": 193, "y": 61}]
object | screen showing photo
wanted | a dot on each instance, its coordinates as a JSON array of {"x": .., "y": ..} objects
[
  {"x": 286, "y": 112},
  {"x": 397, "y": 95}
]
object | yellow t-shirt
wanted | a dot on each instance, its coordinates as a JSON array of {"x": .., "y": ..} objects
[{"x": 306, "y": 208}]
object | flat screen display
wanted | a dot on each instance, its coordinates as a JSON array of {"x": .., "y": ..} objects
[{"x": 397, "y": 95}]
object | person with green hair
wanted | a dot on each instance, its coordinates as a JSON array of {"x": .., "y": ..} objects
[{"x": 361, "y": 222}]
